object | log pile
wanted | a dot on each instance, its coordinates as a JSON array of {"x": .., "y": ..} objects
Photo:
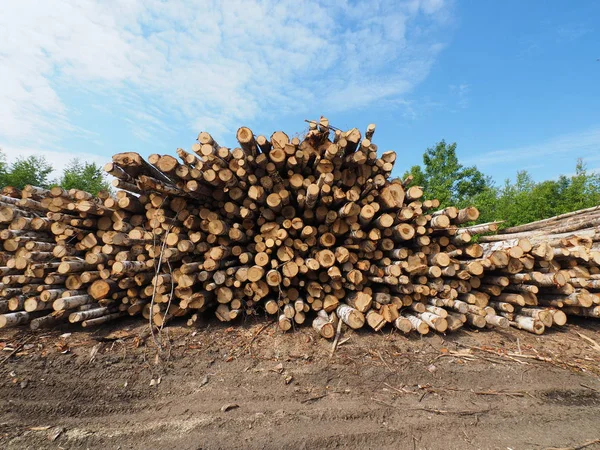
[
  {"x": 309, "y": 230},
  {"x": 559, "y": 270}
]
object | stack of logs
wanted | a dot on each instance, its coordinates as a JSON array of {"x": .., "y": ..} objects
[
  {"x": 558, "y": 273},
  {"x": 301, "y": 229}
]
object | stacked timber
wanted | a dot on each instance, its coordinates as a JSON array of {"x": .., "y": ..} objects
[
  {"x": 556, "y": 270},
  {"x": 309, "y": 230},
  {"x": 46, "y": 265}
]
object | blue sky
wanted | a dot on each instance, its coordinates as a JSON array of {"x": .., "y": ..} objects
[{"x": 516, "y": 84}]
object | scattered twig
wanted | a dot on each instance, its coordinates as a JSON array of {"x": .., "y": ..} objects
[
  {"x": 17, "y": 349},
  {"x": 145, "y": 334},
  {"x": 94, "y": 351},
  {"x": 489, "y": 392},
  {"x": 429, "y": 389},
  {"x": 158, "y": 341},
  {"x": 400, "y": 391},
  {"x": 472, "y": 357},
  {"x": 384, "y": 361},
  {"x": 448, "y": 411},
  {"x": 263, "y": 328},
  {"x": 328, "y": 126},
  {"x": 343, "y": 341},
  {"x": 229, "y": 407},
  {"x": 577, "y": 447},
  {"x": 466, "y": 437},
  {"x": 513, "y": 356},
  {"x": 337, "y": 338},
  {"x": 508, "y": 394},
  {"x": 590, "y": 341},
  {"x": 314, "y": 399},
  {"x": 435, "y": 411}
]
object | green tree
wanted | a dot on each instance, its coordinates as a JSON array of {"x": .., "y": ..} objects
[
  {"x": 526, "y": 200},
  {"x": 418, "y": 177},
  {"x": 2, "y": 168},
  {"x": 444, "y": 178},
  {"x": 34, "y": 170},
  {"x": 522, "y": 201},
  {"x": 85, "y": 176},
  {"x": 581, "y": 190},
  {"x": 486, "y": 201}
]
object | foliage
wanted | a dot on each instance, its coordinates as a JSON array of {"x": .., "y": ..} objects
[
  {"x": 526, "y": 201},
  {"x": 33, "y": 170},
  {"x": 518, "y": 202},
  {"x": 2, "y": 164},
  {"x": 85, "y": 176},
  {"x": 444, "y": 178}
]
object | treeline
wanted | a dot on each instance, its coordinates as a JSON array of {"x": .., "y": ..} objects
[
  {"x": 515, "y": 202},
  {"x": 37, "y": 171}
]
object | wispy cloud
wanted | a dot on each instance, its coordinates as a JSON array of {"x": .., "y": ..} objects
[
  {"x": 460, "y": 95},
  {"x": 584, "y": 144},
  {"x": 205, "y": 63},
  {"x": 572, "y": 31}
]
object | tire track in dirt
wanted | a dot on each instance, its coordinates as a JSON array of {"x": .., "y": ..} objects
[{"x": 430, "y": 399}]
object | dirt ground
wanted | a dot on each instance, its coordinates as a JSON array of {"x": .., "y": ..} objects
[{"x": 252, "y": 386}]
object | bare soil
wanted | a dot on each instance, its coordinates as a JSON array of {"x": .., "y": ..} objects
[{"x": 252, "y": 386}]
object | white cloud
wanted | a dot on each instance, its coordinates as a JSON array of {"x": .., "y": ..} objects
[
  {"x": 206, "y": 63},
  {"x": 585, "y": 144}
]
